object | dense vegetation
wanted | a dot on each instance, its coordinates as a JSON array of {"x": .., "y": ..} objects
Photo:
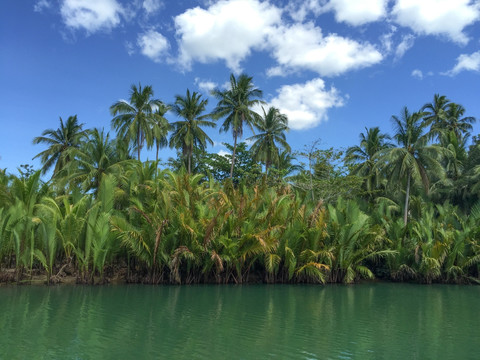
[{"x": 402, "y": 207}]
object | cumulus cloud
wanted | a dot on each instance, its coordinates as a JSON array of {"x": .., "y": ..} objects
[
  {"x": 306, "y": 105},
  {"x": 357, "y": 12},
  {"x": 302, "y": 46},
  {"x": 465, "y": 62},
  {"x": 417, "y": 74},
  {"x": 152, "y": 6},
  {"x": 223, "y": 153},
  {"x": 205, "y": 85},
  {"x": 40, "y": 5},
  {"x": 129, "y": 47},
  {"x": 153, "y": 45},
  {"x": 299, "y": 9},
  {"x": 91, "y": 15},
  {"x": 227, "y": 30},
  {"x": 351, "y": 12},
  {"x": 437, "y": 17},
  {"x": 405, "y": 44}
]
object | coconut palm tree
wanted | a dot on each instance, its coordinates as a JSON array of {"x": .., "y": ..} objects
[
  {"x": 363, "y": 157},
  {"x": 272, "y": 127},
  {"x": 435, "y": 111},
  {"x": 235, "y": 104},
  {"x": 413, "y": 155},
  {"x": 160, "y": 128},
  {"x": 133, "y": 119},
  {"x": 69, "y": 135},
  {"x": 455, "y": 122},
  {"x": 188, "y": 133},
  {"x": 98, "y": 156},
  {"x": 285, "y": 163}
]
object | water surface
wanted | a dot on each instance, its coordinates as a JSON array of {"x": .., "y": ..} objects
[{"x": 368, "y": 321}]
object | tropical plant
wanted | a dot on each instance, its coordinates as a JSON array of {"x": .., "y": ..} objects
[
  {"x": 235, "y": 104},
  {"x": 413, "y": 156},
  {"x": 160, "y": 128},
  {"x": 68, "y": 136},
  {"x": 133, "y": 119},
  {"x": 187, "y": 133},
  {"x": 272, "y": 127},
  {"x": 364, "y": 157}
]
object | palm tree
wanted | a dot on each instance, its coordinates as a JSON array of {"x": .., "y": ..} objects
[
  {"x": 66, "y": 137},
  {"x": 363, "y": 157},
  {"x": 272, "y": 127},
  {"x": 98, "y": 157},
  {"x": 413, "y": 156},
  {"x": 444, "y": 115},
  {"x": 461, "y": 126},
  {"x": 133, "y": 119},
  {"x": 187, "y": 133},
  {"x": 285, "y": 163},
  {"x": 236, "y": 105},
  {"x": 435, "y": 111},
  {"x": 160, "y": 128}
]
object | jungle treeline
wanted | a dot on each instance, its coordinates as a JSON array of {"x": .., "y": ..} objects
[{"x": 401, "y": 207}]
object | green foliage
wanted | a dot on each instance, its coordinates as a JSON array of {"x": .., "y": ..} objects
[{"x": 210, "y": 218}]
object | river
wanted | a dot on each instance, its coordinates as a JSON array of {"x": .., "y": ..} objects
[{"x": 365, "y": 321}]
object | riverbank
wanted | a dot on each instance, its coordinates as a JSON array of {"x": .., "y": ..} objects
[{"x": 119, "y": 276}]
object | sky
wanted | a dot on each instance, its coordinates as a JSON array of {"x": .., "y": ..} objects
[{"x": 334, "y": 67}]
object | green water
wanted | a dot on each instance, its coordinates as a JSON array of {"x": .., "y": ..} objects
[{"x": 370, "y": 321}]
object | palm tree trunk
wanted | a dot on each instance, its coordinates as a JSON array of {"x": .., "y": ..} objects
[
  {"x": 190, "y": 160},
  {"x": 407, "y": 194},
  {"x": 138, "y": 144},
  {"x": 156, "y": 156},
  {"x": 233, "y": 155},
  {"x": 311, "y": 176}
]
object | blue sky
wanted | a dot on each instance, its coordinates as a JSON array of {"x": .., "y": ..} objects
[{"x": 333, "y": 66}]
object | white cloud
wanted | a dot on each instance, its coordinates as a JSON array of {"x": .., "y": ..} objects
[
  {"x": 466, "y": 62},
  {"x": 91, "y": 15},
  {"x": 40, "y": 5},
  {"x": 298, "y": 10},
  {"x": 227, "y": 30},
  {"x": 130, "y": 48},
  {"x": 306, "y": 105},
  {"x": 351, "y": 12},
  {"x": 152, "y": 6},
  {"x": 302, "y": 46},
  {"x": 223, "y": 153},
  {"x": 153, "y": 45},
  {"x": 357, "y": 12},
  {"x": 276, "y": 71},
  {"x": 405, "y": 44},
  {"x": 417, "y": 74},
  {"x": 205, "y": 85},
  {"x": 437, "y": 17},
  {"x": 387, "y": 39}
]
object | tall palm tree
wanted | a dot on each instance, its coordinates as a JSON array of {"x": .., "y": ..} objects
[
  {"x": 235, "y": 104},
  {"x": 160, "y": 128},
  {"x": 133, "y": 119},
  {"x": 96, "y": 158},
  {"x": 272, "y": 127},
  {"x": 435, "y": 111},
  {"x": 363, "y": 157},
  {"x": 69, "y": 135},
  {"x": 188, "y": 133},
  {"x": 413, "y": 155},
  {"x": 455, "y": 122}
]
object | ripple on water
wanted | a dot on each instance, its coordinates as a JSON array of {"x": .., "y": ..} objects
[{"x": 378, "y": 321}]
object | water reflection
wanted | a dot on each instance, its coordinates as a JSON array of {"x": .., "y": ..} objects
[{"x": 374, "y": 321}]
